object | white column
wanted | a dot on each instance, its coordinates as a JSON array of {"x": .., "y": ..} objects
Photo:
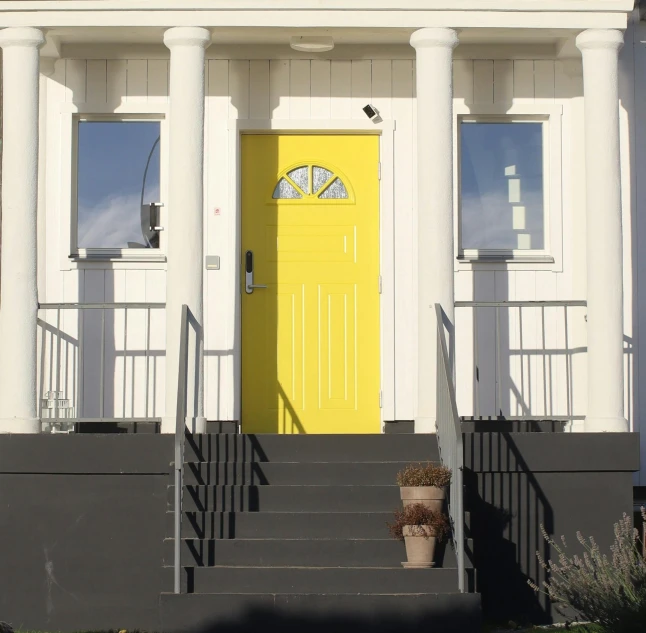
[
  {"x": 185, "y": 217},
  {"x": 605, "y": 408},
  {"x": 434, "y": 55},
  {"x": 18, "y": 284}
]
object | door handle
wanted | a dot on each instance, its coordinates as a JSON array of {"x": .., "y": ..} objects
[{"x": 248, "y": 267}]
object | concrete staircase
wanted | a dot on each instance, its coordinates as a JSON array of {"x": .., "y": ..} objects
[{"x": 289, "y": 533}]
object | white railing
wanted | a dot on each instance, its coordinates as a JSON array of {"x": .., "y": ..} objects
[
  {"x": 521, "y": 359},
  {"x": 450, "y": 443},
  {"x": 101, "y": 362}
]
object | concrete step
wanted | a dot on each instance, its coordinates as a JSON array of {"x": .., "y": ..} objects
[
  {"x": 316, "y": 613},
  {"x": 521, "y": 425},
  {"x": 302, "y": 473},
  {"x": 384, "y": 552},
  {"x": 226, "y": 447},
  {"x": 302, "y": 580},
  {"x": 249, "y": 525},
  {"x": 288, "y": 498}
]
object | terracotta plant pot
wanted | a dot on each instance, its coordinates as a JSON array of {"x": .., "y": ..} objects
[
  {"x": 420, "y": 546},
  {"x": 430, "y": 496}
]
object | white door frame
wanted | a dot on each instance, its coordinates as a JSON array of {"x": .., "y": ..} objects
[{"x": 385, "y": 130}]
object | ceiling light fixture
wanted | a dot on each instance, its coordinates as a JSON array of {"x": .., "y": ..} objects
[{"x": 312, "y": 44}]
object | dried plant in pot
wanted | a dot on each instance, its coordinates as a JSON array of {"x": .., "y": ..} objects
[
  {"x": 424, "y": 483},
  {"x": 421, "y": 529}
]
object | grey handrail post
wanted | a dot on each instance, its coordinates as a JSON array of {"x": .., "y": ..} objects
[
  {"x": 180, "y": 424},
  {"x": 450, "y": 443}
]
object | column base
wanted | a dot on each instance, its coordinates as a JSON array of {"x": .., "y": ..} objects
[
  {"x": 605, "y": 425},
  {"x": 424, "y": 425},
  {"x": 194, "y": 425},
  {"x": 20, "y": 425}
]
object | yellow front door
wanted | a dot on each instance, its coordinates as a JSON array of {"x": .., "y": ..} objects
[{"x": 310, "y": 234}]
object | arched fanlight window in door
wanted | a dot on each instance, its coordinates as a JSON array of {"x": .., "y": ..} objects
[{"x": 311, "y": 182}]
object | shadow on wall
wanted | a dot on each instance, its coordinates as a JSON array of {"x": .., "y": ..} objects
[
  {"x": 507, "y": 506},
  {"x": 431, "y": 620}
]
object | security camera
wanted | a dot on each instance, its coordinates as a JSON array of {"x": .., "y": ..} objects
[{"x": 372, "y": 113}]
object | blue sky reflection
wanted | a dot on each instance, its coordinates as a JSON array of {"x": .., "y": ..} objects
[
  {"x": 112, "y": 158},
  {"x": 501, "y": 186}
]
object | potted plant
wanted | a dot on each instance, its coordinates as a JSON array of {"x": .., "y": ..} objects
[
  {"x": 424, "y": 483},
  {"x": 421, "y": 529}
]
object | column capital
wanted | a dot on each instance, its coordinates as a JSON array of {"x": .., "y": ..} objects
[
  {"x": 600, "y": 39},
  {"x": 187, "y": 36},
  {"x": 434, "y": 38},
  {"x": 21, "y": 36}
]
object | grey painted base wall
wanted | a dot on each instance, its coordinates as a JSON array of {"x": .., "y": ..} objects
[{"x": 82, "y": 520}]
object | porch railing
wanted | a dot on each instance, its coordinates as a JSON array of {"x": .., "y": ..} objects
[
  {"x": 100, "y": 362},
  {"x": 524, "y": 359},
  {"x": 449, "y": 440}
]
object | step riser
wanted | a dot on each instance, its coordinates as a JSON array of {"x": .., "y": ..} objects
[
  {"x": 311, "y": 448},
  {"x": 309, "y": 553},
  {"x": 288, "y": 498},
  {"x": 248, "y": 525},
  {"x": 317, "y": 474},
  {"x": 319, "y": 580},
  {"x": 425, "y": 613}
]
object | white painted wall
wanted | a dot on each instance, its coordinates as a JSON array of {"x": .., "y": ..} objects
[{"x": 546, "y": 383}]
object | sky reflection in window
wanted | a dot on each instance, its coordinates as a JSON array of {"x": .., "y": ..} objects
[
  {"x": 112, "y": 158},
  {"x": 501, "y": 192}
]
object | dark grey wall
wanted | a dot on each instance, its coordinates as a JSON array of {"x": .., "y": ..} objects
[
  {"x": 518, "y": 481},
  {"x": 81, "y": 530}
]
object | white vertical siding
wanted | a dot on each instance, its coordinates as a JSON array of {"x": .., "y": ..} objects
[{"x": 537, "y": 381}]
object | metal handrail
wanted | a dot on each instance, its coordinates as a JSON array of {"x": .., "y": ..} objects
[
  {"x": 450, "y": 443},
  {"x": 180, "y": 434}
]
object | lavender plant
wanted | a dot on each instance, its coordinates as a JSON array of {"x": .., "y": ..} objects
[{"x": 608, "y": 590}]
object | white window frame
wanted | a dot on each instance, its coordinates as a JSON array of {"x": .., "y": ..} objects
[
  {"x": 71, "y": 255},
  {"x": 550, "y": 256}
]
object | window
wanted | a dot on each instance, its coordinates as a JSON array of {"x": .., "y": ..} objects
[
  {"x": 502, "y": 187},
  {"x": 117, "y": 185},
  {"x": 295, "y": 184}
]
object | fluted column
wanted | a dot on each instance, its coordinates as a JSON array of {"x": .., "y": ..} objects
[
  {"x": 185, "y": 217},
  {"x": 18, "y": 285},
  {"x": 434, "y": 68},
  {"x": 605, "y": 408}
]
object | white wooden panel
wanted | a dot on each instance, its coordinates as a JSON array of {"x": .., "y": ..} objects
[
  {"x": 568, "y": 78},
  {"x": 117, "y": 80},
  {"x": 483, "y": 81},
  {"x": 504, "y": 334},
  {"x": 402, "y": 108},
  {"x": 137, "y": 80},
  {"x": 76, "y": 79},
  {"x": 464, "y": 346},
  {"x": 279, "y": 88},
  {"x": 503, "y": 81},
  {"x": 485, "y": 347},
  {"x": 523, "y": 80},
  {"x": 156, "y": 358},
  {"x": 259, "y": 89},
  {"x": 527, "y": 343},
  {"x": 97, "y": 81},
  {"x": 158, "y": 78},
  {"x": 115, "y": 345},
  {"x": 92, "y": 292},
  {"x": 341, "y": 90},
  {"x": 463, "y": 79},
  {"x": 239, "y": 89},
  {"x": 547, "y": 339},
  {"x": 361, "y": 89},
  {"x": 137, "y": 340},
  {"x": 320, "y": 90},
  {"x": 382, "y": 86},
  {"x": 544, "y": 79},
  {"x": 220, "y": 224},
  {"x": 299, "y": 89}
]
